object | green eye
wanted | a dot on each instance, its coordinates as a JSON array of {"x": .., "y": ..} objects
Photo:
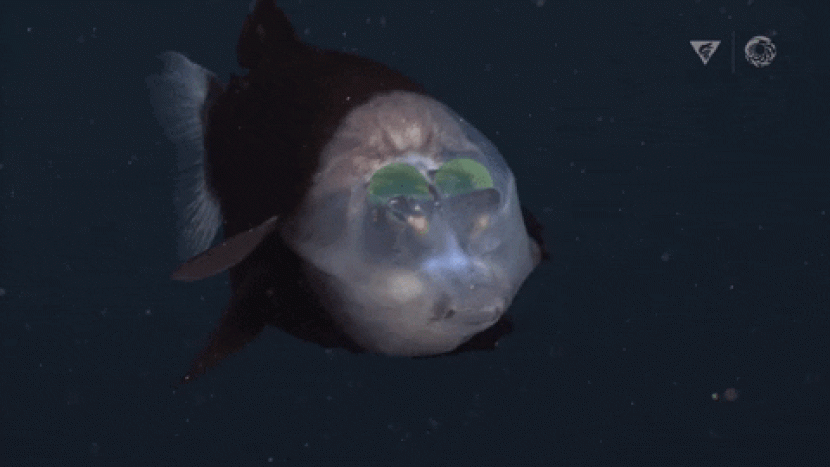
[
  {"x": 460, "y": 176},
  {"x": 396, "y": 180}
]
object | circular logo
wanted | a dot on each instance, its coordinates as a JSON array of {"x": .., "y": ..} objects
[{"x": 759, "y": 51}]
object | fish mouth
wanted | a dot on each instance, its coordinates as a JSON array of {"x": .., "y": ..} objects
[
  {"x": 475, "y": 316},
  {"x": 480, "y": 318},
  {"x": 481, "y": 323}
]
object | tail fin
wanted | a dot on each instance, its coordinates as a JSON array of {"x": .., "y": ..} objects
[{"x": 180, "y": 95}]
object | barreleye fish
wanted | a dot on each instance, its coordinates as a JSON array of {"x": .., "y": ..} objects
[{"x": 357, "y": 211}]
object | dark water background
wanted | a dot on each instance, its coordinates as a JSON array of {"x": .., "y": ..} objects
[{"x": 687, "y": 208}]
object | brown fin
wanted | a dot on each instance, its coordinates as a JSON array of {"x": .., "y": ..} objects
[
  {"x": 241, "y": 322},
  {"x": 267, "y": 31},
  {"x": 534, "y": 229},
  {"x": 225, "y": 255},
  {"x": 249, "y": 309}
]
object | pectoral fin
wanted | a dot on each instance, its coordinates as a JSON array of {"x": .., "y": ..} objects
[{"x": 225, "y": 255}]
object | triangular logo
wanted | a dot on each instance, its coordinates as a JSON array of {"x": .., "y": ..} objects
[{"x": 705, "y": 49}]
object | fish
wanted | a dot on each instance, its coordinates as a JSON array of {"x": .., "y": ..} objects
[{"x": 356, "y": 210}]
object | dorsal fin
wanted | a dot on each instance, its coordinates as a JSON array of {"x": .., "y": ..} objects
[{"x": 266, "y": 32}]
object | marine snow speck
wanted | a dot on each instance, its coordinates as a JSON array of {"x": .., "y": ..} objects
[{"x": 358, "y": 212}]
